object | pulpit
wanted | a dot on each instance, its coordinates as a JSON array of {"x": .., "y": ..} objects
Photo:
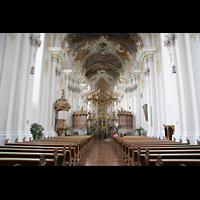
[{"x": 61, "y": 104}]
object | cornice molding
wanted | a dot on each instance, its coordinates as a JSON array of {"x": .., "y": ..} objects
[
  {"x": 144, "y": 52},
  {"x": 61, "y": 53}
]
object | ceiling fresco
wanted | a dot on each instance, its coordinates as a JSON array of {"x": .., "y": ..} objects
[
  {"x": 128, "y": 40},
  {"x": 109, "y": 82},
  {"x": 102, "y": 58},
  {"x": 103, "y": 54},
  {"x": 123, "y": 37},
  {"x": 109, "y": 69}
]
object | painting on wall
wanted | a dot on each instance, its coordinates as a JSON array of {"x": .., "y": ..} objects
[{"x": 145, "y": 109}]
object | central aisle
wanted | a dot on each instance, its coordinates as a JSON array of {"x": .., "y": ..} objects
[{"x": 101, "y": 153}]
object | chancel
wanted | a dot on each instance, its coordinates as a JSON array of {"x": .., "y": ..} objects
[{"x": 90, "y": 93}]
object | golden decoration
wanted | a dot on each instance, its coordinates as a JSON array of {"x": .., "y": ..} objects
[
  {"x": 102, "y": 94},
  {"x": 61, "y": 104}
]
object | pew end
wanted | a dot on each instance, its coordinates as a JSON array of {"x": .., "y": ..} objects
[{"x": 6, "y": 141}]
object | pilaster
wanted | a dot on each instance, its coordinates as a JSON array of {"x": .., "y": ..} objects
[
  {"x": 153, "y": 108},
  {"x": 146, "y": 55},
  {"x": 55, "y": 72}
]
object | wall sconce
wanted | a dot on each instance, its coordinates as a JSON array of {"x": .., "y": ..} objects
[
  {"x": 32, "y": 70},
  {"x": 173, "y": 69}
]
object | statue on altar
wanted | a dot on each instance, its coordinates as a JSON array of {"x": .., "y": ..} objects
[
  {"x": 89, "y": 113},
  {"x": 102, "y": 124},
  {"x": 63, "y": 93}
]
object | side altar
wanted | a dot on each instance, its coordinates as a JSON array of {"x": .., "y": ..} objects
[
  {"x": 125, "y": 121},
  {"x": 80, "y": 119}
]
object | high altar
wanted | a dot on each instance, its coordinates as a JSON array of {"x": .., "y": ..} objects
[{"x": 101, "y": 115}]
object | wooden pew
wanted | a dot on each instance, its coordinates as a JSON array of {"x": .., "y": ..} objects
[
  {"x": 174, "y": 162},
  {"x": 133, "y": 151},
  {"x": 57, "y": 143},
  {"x": 75, "y": 146},
  {"x": 64, "y": 154},
  {"x": 132, "y": 156},
  {"x": 148, "y": 158},
  {"x": 26, "y": 161}
]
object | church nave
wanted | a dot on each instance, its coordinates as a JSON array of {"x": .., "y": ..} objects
[
  {"x": 101, "y": 153},
  {"x": 61, "y": 91}
]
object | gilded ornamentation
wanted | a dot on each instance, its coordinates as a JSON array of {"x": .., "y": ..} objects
[
  {"x": 131, "y": 89},
  {"x": 80, "y": 111},
  {"x": 194, "y": 35},
  {"x": 61, "y": 104},
  {"x": 73, "y": 88},
  {"x": 146, "y": 71},
  {"x": 12, "y": 35},
  {"x": 158, "y": 66},
  {"x": 169, "y": 40},
  {"x": 35, "y": 40},
  {"x": 123, "y": 112},
  {"x": 102, "y": 94},
  {"x": 58, "y": 71}
]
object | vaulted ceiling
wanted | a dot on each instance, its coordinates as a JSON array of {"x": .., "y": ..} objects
[
  {"x": 127, "y": 40},
  {"x": 102, "y": 53}
]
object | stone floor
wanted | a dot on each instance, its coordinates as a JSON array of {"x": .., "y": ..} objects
[{"x": 101, "y": 153}]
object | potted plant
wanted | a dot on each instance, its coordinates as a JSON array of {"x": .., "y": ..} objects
[
  {"x": 69, "y": 128},
  {"x": 36, "y": 130},
  {"x": 139, "y": 130},
  {"x": 88, "y": 132}
]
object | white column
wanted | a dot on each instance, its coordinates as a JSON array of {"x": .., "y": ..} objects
[
  {"x": 138, "y": 101},
  {"x": 9, "y": 71},
  {"x": 148, "y": 97},
  {"x": 18, "y": 120},
  {"x": 159, "y": 95},
  {"x": 29, "y": 94},
  {"x": 193, "y": 51},
  {"x": 153, "y": 109},
  {"x": 45, "y": 89},
  {"x": 187, "y": 94},
  {"x": 52, "y": 96}
]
